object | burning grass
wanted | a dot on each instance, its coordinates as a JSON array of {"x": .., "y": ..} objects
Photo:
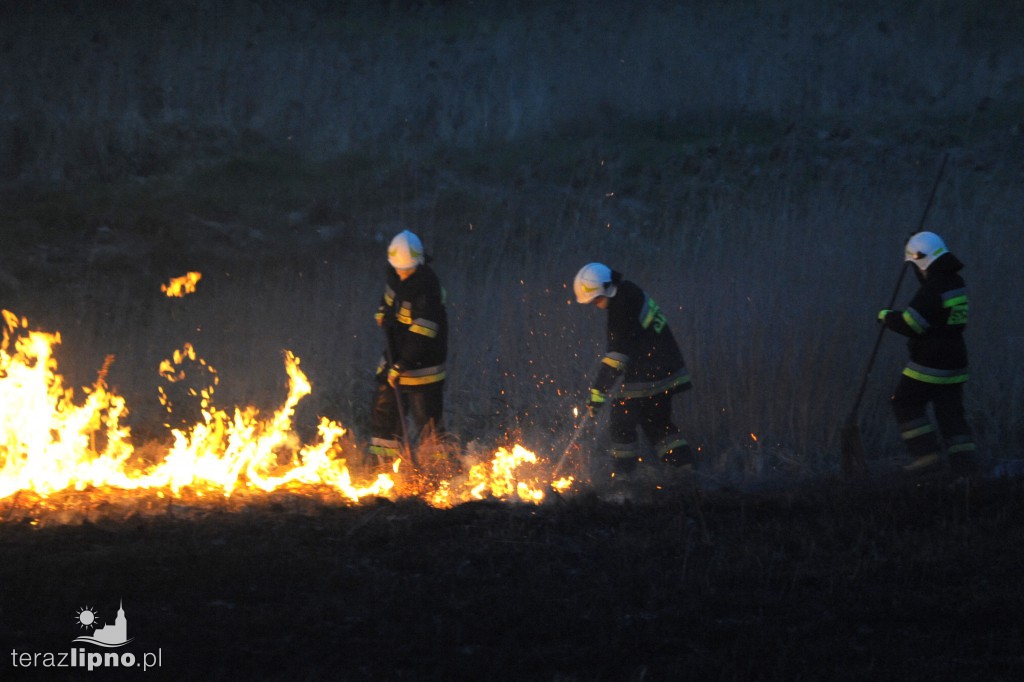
[{"x": 54, "y": 445}]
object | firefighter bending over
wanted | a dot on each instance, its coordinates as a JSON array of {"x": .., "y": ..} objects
[
  {"x": 412, "y": 368},
  {"x": 934, "y": 322},
  {"x": 642, "y": 348}
]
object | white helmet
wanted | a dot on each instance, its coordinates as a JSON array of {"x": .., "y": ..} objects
[
  {"x": 593, "y": 280},
  {"x": 923, "y": 248},
  {"x": 405, "y": 251}
]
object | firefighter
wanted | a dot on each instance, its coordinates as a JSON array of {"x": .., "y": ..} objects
[
  {"x": 934, "y": 321},
  {"x": 412, "y": 367},
  {"x": 641, "y": 349}
]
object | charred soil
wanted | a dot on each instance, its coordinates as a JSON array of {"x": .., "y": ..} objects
[{"x": 880, "y": 580}]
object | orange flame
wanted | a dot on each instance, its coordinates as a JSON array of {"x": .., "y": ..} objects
[
  {"x": 50, "y": 442},
  {"x": 180, "y": 287}
]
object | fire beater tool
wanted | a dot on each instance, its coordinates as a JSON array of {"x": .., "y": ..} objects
[
  {"x": 406, "y": 447},
  {"x": 851, "y": 445}
]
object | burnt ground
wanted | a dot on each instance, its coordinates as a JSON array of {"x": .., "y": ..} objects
[{"x": 828, "y": 580}]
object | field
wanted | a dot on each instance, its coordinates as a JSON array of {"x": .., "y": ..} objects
[
  {"x": 826, "y": 581},
  {"x": 756, "y": 170},
  {"x": 779, "y": 571},
  {"x": 770, "y": 255}
]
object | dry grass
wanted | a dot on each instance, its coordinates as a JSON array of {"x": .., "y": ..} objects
[{"x": 770, "y": 267}]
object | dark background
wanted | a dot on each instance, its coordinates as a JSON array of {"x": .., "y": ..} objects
[{"x": 102, "y": 89}]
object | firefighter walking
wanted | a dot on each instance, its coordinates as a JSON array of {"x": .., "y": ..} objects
[
  {"x": 642, "y": 350},
  {"x": 934, "y": 323},
  {"x": 412, "y": 367}
]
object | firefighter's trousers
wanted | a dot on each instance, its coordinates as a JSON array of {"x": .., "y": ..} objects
[
  {"x": 910, "y": 405},
  {"x": 653, "y": 415},
  {"x": 423, "y": 404}
]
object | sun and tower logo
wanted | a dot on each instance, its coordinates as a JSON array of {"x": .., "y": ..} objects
[{"x": 109, "y": 636}]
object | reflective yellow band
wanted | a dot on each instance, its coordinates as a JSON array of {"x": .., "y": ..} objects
[
  {"x": 419, "y": 377},
  {"x": 919, "y": 431},
  {"x": 424, "y": 327},
  {"x": 960, "y": 443},
  {"x": 914, "y": 320},
  {"x": 386, "y": 448},
  {"x": 598, "y": 396},
  {"x": 930, "y": 375},
  {"x": 954, "y": 297},
  {"x": 929, "y": 379},
  {"x": 953, "y": 302},
  {"x": 616, "y": 361}
]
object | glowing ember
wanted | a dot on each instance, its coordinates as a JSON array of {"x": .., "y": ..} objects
[
  {"x": 51, "y": 442},
  {"x": 179, "y": 287}
]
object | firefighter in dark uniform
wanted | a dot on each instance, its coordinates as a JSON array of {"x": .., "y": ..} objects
[
  {"x": 642, "y": 350},
  {"x": 412, "y": 368},
  {"x": 934, "y": 321}
]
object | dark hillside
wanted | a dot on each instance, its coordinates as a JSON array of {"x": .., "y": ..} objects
[{"x": 105, "y": 89}]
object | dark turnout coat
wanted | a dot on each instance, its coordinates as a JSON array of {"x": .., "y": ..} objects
[
  {"x": 415, "y": 322},
  {"x": 641, "y": 347},
  {"x": 934, "y": 322}
]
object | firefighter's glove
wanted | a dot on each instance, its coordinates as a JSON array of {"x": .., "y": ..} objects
[
  {"x": 393, "y": 374},
  {"x": 882, "y": 315},
  {"x": 596, "y": 402}
]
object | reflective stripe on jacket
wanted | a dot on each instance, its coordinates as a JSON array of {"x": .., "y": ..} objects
[
  {"x": 415, "y": 321},
  {"x": 934, "y": 324},
  {"x": 641, "y": 347}
]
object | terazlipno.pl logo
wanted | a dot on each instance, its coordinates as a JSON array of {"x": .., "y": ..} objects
[{"x": 106, "y": 635}]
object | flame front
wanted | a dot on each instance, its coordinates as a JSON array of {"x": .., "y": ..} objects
[
  {"x": 51, "y": 442},
  {"x": 179, "y": 287}
]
